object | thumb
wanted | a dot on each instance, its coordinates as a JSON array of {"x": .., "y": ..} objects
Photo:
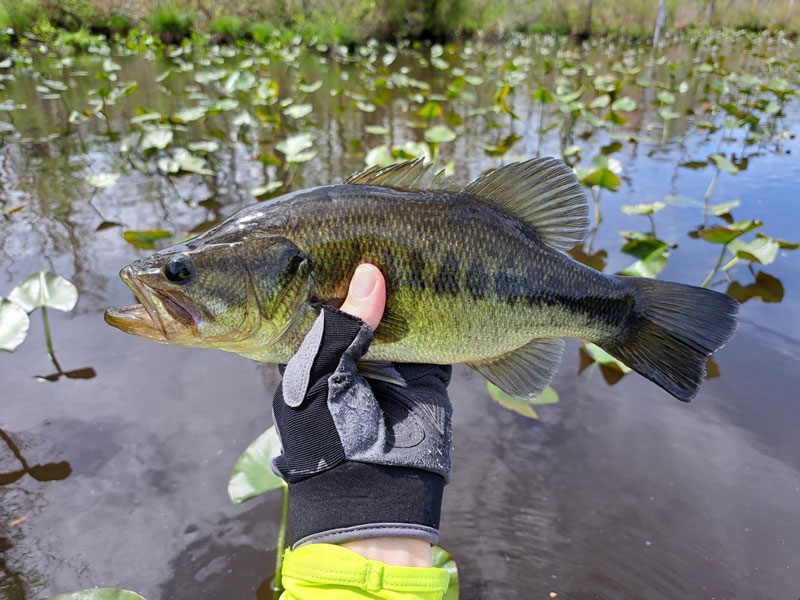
[{"x": 366, "y": 298}]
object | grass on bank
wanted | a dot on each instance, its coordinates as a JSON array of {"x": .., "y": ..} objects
[{"x": 353, "y": 21}]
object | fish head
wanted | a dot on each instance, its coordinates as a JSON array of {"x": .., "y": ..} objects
[{"x": 234, "y": 292}]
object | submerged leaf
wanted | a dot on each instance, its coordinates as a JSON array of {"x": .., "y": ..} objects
[
  {"x": 252, "y": 474},
  {"x": 146, "y": 239},
  {"x": 766, "y": 287},
  {"x": 45, "y": 289},
  {"x": 14, "y": 323}
]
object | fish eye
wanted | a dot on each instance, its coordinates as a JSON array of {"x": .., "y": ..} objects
[{"x": 179, "y": 269}]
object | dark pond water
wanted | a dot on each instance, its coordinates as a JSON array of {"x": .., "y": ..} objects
[{"x": 618, "y": 491}]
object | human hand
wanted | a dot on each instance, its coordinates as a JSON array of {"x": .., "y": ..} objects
[{"x": 366, "y": 462}]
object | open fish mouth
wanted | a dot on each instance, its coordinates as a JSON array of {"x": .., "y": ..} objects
[{"x": 145, "y": 319}]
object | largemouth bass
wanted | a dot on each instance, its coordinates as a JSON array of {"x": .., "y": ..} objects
[{"x": 474, "y": 275}]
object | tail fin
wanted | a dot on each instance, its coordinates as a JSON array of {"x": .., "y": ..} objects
[{"x": 674, "y": 330}]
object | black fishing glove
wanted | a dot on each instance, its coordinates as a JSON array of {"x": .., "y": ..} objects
[{"x": 362, "y": 459}]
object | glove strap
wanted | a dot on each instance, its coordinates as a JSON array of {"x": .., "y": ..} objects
[{"x": 355, "y": 501}]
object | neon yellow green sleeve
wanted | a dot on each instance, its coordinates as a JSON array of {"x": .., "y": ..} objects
[{"x": 329, "y": 572}]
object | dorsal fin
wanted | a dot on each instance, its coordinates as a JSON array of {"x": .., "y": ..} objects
[
  {"x": 411, "y": 175},
  {"x": 542, "y": 192}
]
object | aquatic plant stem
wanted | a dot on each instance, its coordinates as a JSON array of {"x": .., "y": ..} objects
[
  {"x": 708, "y": 195},
  {"x": 277, "y": 585},
  {"x": 715, "y": 270},
  {"x": 47, "y": 336}
]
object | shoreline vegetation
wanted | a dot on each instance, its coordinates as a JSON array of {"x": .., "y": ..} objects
[{"x": 74, "y": 23}]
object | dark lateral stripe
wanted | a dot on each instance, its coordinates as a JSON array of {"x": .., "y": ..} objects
[{"x": 446, "y": 280}]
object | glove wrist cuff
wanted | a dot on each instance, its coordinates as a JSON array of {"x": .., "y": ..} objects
[{"x": 360, "y": 500}]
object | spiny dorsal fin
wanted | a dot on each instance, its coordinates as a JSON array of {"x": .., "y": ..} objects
[
  {"x": 542, "y": 192},
  {"x": 411, "y": 175},
  {"x": 526, "y": 371}
]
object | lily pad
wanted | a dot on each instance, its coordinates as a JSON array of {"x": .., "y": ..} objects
[
  {"x": 45, "y": 289},
  {"x": 156, "y": 139},
  {"x": 724, "y": 234},
  {"x": 604, "y": 178},
  {"x": 266, "y": 189},
  {"x": 14, "y": 323},
  {"x": 761, "y": 250},
  {"x": 642, "y": 209},
  {"x": 624, "y": 104},
  {"x": 439, "y": 134},
  {"x": 724, "y": 164},
  {"x": 102, "y": 180},
  {"x": 252, "y": 474},
  {"x": 602, "y": 357},
  {"x": 298, "y": 111},
  {"x": 297, "y": 148},
  {"x": 430, "y": 110}
]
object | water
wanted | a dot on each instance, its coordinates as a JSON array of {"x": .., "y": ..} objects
[{"x": 617, "y": 492}]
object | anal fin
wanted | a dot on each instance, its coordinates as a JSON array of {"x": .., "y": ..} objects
[{"x": 526, "y": 371}]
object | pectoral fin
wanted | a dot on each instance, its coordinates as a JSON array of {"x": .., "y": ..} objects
[
  {"x": 382, "y": 372},
  {"x": 526, "y": 371}
]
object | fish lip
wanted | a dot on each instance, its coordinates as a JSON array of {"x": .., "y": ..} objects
[
  {"x": 139, "y": 319},
  {"x": 141, "y": 291}
]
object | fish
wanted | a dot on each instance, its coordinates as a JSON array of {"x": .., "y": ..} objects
[{"x": 475, "y": 274}]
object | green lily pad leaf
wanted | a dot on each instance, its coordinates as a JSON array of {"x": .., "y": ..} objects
[
  {"x": 298, "y": 111},
  {"x": 651, "y": 252},
  {"x": 45, "y": 289},
  {"x": 297, "y": 148},
  {"x": 56, "y": 86},
  {"x": 266, "y": 189},
  {"x": 724, "y": 164},
  {"x": 782, "y": 244},
  {"x": 377, "y": 129},
  {"x": 602, "y": 357},
  {"x": 572, "y": 150},
  {"x": 522, "y": 406},
  {"x": 439, "y": 134},
  {"x": 146, "y": 239},
  {"x": 156, "y": 139},
  {"x": 252, "y": 474},
  {"x": 604, "y": 178},
  {"x": 502, "y": 147},
  {"x": 615, "y": 118},
  {"x": 102, "y": 180},
  {"x": 109, "y": 65},
  {"x": 240, "y": 81},
  {"x": 668, "y": 114},
  {"x": 99, "y": 594},
  {"x": 443, "y": 560},
  {"x": 430, "y": 110},
  {"x": 309, "y": 88},
  {"x": 665, "y": 97},
  {"x": 600, "y": 101},
  {"x": 724, "y": 208},
  {"x": 642, "y": 209},
  {"x": 204, "y": 146},
  {"x": 14, "y": 323},
  {"x": 541, "y": 94},
  {"x": 379, "y": 155},
  {"x": 367, "y": 107},
  {"x": 762, "y": 249},
  {"x": 725, "y": 234},
  {"x": 190, "y": 163},
  {"x": 624, "y": 104},
  {"x": 76, "y": 118},
  {"x": 206, "y": 77},
  {"x": 190, "y": 114}
]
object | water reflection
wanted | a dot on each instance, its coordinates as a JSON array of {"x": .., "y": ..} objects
[{"x": 53, "y": 471}]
